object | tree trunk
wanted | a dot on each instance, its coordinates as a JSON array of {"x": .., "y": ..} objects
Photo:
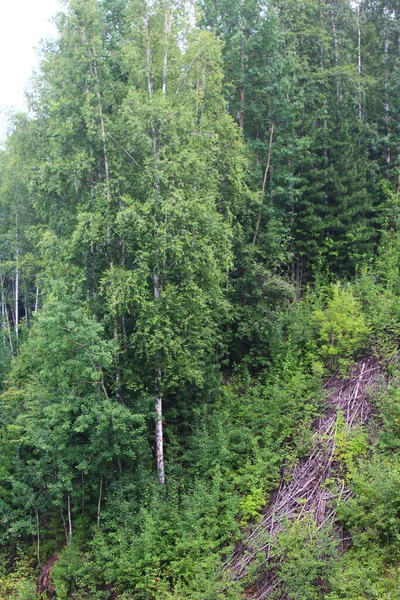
[
  {"x": 4, "y": 311},
  {"x": 69, "y": 521},
  {"x": 167, "y": 30},
  {"x": 159, "y": 433},
  {"x": 241, "y": 110},
  {"x": 37, "y": 300},
  {"x": 99, "y": 502},
  {"x": 386, "y": 106},
  {"x": 264, "y": 183},
  {"x": 359, "y": 62},
  {"x": 38, "y": 538},
  {"x": 16, "y": 279},
  {"x": 158, "y": 405}
]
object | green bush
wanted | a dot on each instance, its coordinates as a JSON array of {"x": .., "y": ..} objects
[
  {"x": 343, "y": 330},
  {"x": 304, "y": 556}
]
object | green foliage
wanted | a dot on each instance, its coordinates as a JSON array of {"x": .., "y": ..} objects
[
  {"x": 57, "y": 399},
  {"x": 18, "y": 581},
  {"x": 364, "y": 575},
  {"x": 305, "y": 555},
  {"x": 343, "y": 330},
  {"x": 64, "y": 571},
  {"x": 252, "y": 505},
  {"x": 350, "y": 444},
  {"x": 373, "y": 514},
  {"x": 177, "y": 209}
]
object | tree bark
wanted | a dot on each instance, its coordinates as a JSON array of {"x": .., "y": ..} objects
[
  {"x": 6, "y": 320},
  {"x": 99, "y": 502},
  {"x": 242, "y": 96},
  {"x": 38, "y": 538},
  {"x": 159, "y": 430},
  {"x": 167, "y": 30},
  {"x": 16, "y": 279},
  {"x": 386, "y": 106},
  {"x": 359, "y": 62},
  {"x": 69, "y": 521},
  {"x": 267, "y": 168},
  {"x": 159, "y": 433}
]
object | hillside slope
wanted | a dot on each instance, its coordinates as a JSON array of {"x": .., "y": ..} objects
[{"x": 315, "y": 483}]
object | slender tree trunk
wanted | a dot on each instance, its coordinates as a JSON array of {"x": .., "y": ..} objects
[
  {"x": 16, "y": 279},
  {"x": 6, "y": 320},
  {"x": 38, "y": 538},
  {"x": 167, "y": 31},
  {"x": 149, "y": 69},
  {"x": 242, "y": 95},
  {"x": 64, "y": 526},
  {"x": 99, "y": 502},
  {"x": 69, "y": 521},
  {"x": 398, "y": 123},
  {"x": 264, "y": 183},
  {"x": 17, "y": 302},
  {"x": 336, "y": 47},
  {"x": 159, "y": 428},
  {"x": 299, "y": 275},
  {"x": 83, "y": 494},
  {"x": 159, "y": 432},
  {"x": 106, "y": 162},
  {"x": 386, "y": 106},
  {"x": 359, "y": 61}
]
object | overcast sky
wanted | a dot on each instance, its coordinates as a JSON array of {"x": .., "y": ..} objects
[{"x": 22, "y": 24}]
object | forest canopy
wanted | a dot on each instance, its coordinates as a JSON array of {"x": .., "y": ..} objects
[{"x": 200, "y": 229}]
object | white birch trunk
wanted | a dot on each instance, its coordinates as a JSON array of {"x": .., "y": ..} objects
[
  {"x": 159, "y": 432},
  {"x": 160, "y": 442}
]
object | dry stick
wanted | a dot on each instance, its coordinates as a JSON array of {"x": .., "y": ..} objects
[
  {"x": 359, "y": 382},
  {"x": 123, "y": 149},
  {"x": 271, "y": 137},
  {"x": 350, "y": 395}
]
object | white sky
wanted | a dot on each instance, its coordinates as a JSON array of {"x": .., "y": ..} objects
[{"x": 23, "y": 23}]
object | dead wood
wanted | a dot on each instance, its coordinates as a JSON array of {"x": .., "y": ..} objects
[
  {"x": 45, "y": 584},
  {"x": 302, "y": 492}
]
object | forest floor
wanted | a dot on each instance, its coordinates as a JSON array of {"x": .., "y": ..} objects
[{"x": 305, "y": 490}]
